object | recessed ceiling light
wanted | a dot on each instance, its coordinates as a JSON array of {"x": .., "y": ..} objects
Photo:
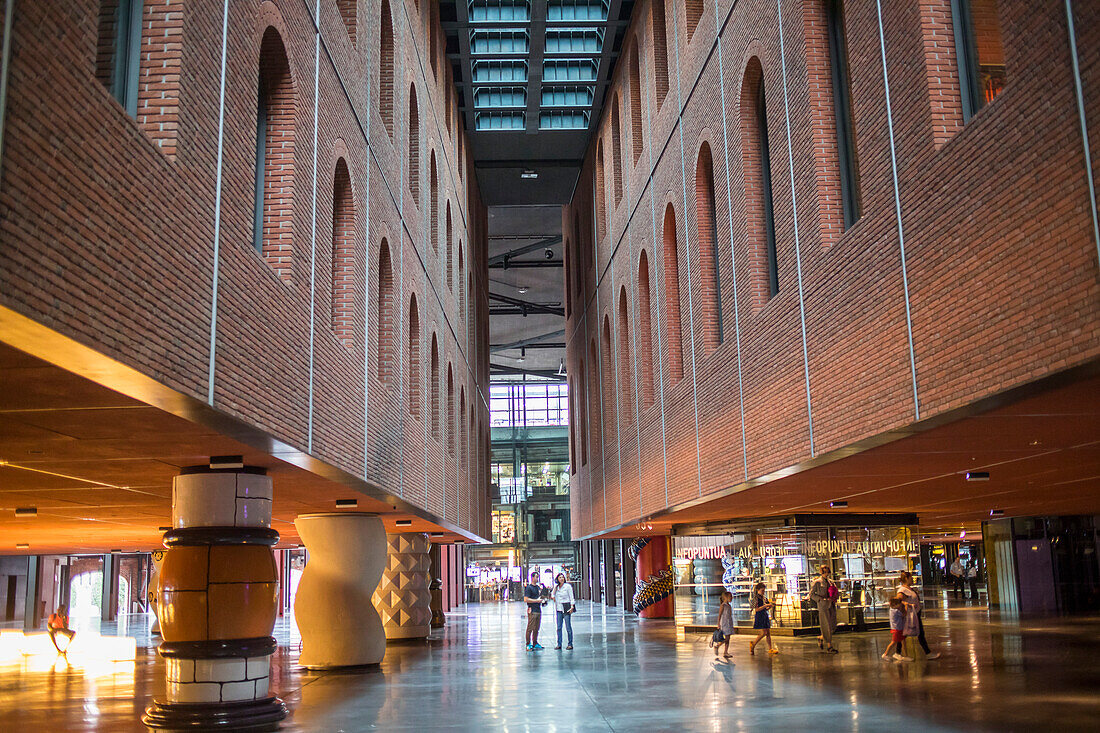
[
  {"x": 436, "y": 534},
  {"x": 226, "y": 461},
  {"x": 26, "y": 511},
  {"x": 1034, "y": 442},
  {"x": 529, "y": 174},
  {"x": 977, "y": 475},
  {"x": 521, "y": 289},
  {"x": 996, "y": 512},
  {"x": 347, "y": 502},
  {"x": 164, "y": 529},
  {"x": 404, "y": 522},
  {"x": 838, "y": 504},
  {"x": 522, "y": 355},
  {"x": 21, "y": 545}
]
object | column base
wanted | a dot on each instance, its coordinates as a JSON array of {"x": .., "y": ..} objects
[{"x": 251, "y": 715}]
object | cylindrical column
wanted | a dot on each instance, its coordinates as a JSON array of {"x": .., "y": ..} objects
[
  {"x": 403, "y": 599},
  {"x": 654, "y": 573},
  {"x": 216, "y": 602},
  {"x": 339, "y": 624}
]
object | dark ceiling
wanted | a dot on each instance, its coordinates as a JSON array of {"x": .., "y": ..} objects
[{"x": 531, "y": 76}]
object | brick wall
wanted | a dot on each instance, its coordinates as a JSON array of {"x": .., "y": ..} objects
[
  {"x": 1001, "y": 262},
  {"x": 109, "y": 224}
]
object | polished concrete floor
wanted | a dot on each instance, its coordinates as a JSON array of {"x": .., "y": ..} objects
[{"x": 628, "y": 675}]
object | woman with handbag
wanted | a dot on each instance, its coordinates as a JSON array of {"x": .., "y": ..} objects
[
  {"x": 564, "y": 605},
  {"x": 825, "y": 593}
]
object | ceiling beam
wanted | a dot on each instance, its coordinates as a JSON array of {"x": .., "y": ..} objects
[
  {"x": 529, "y": 341},
  {"x": 526, "y": 264},
  {"x": 527, "y": 306},
  {"x": 541, "y": 373},
  {"x": 541, "y": 244}
]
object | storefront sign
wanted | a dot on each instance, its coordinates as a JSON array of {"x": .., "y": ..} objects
[{"x": 870, "y": 547}]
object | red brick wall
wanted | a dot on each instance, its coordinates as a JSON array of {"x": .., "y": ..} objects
[
  {"x": 1001, "y": 262},
  {"x": 108, "y": 225}
]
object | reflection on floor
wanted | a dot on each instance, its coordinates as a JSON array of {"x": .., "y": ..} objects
[{"x": 628, "y": 675}]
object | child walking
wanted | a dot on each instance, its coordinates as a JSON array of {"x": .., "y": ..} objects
[
  {"x": 760, "y": 606},
  {"x": 725, "y": 625},
  {"x": 898, "y": 618}
]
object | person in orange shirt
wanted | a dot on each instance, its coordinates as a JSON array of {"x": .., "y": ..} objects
[{"x": 59, "y": 624}]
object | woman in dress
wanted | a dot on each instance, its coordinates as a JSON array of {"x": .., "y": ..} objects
[
  {"x": 910, "y": 596},
  {"x": 760, "y": 605},
  {"x": 725, "y": 624},
  {"x": 825, "y": 593}
]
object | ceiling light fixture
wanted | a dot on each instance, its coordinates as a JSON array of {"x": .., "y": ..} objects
[
  {"x": 404, "y": 522},
  {"x": 996, "y": 512},
  {"x": 521, "y": 289},
  {"x": 977, "y": 475},
  {"x": 529, "y": 174},
  {"x": 435, "y": 534},
  {"x": 26, "y": 511},
  {"x": 164, "y": 529},
  {"x": 347, "y": 502},
  {"x": 217, "y": 462},
  {"x": 838, "y": 504},
  {"x": 21, "y": 545}
]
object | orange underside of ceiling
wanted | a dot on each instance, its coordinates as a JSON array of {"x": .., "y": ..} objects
[
  {"x": 1042, "y": 453},
  {"x": 98, "y": 467}
]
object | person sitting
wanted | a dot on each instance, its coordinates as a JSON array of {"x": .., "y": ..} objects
[{"x": 59, "y": 624}]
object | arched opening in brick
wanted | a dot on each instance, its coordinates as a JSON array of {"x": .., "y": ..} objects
[
  {"x": 273, "y": 208},
  {"x": 647, "y": 363},
  {"x": 343, "y": 255},
  {"x": 578, "y": 240},
  {"x": 435, "y": 387},
  {"x": 694, "y": 11},
  {"x": 462, "y": 427},
  {"x": 448, "y": 255},
  {"x": 625, "y": 372},
  {"x": 594, "y": 398},
  {"x": 842, "y": 109},
  {"x": 674, "y": 336},
  {"x": 386, "y": 68},
  {"x": 433, "y": 193},
  {"x": 660, "y": 53},
  {"x": 601, "y": 192},
  {"x": 710, "y": 285},
  {"x": 758, "y": 182},
  {"x": 607, "y": 367},
  {"x": 616, "y": 152},
  {"x": 414, "y": 145},
  {"x": 582, "y": 413},
  {"x": 461, "y": 295},
  {"x": 637, "y": 134},
  {"x": 414, "y": 358},
  {"x": 450, "y": 410},
  {"x": 385, "y": 314},
  {"x": 347, "y": 12}
]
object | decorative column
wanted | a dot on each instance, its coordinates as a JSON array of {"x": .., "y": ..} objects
[
  {"x": 403, "y": 598},
  {"x": 339, "y": 624},
  {"x": 653, "y": 597},
  {"x": 216, "y": 602}
]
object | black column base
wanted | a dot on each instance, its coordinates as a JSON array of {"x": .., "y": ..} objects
[{"x": 250, "y": 715}]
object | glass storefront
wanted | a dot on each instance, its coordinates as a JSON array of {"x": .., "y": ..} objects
[{"x": 865, "y": 562}]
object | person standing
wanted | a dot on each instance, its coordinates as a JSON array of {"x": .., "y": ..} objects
[
  {"x": 958, "y": 576},
  {"x": 564, "y": 606},
  {"x": 532, "y": 596},
  {"x": 761, "y": 620},
  {"x": 972, "y": 579},
  {"x": 825, "y": 593},
  {"x": 912, "y": 598}
]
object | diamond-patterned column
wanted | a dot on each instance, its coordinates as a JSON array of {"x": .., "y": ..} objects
[{"x": 403, "y": 599}]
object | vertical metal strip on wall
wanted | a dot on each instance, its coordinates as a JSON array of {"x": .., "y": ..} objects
[
  {"x": 655, "y": 297},
  {"x": 897, "y": 212},
  {"x": 687, "y": 247},
  {"x": 313, "y": 217},
  {"x": 733, "y": 254},
  {"x": 794, "y": 217},
  {"x": 217, "y": 210},
  {"x": 1072, "y": 32}
]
